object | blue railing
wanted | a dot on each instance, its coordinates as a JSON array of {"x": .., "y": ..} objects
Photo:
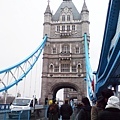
[{"x": 19, "y": 114}]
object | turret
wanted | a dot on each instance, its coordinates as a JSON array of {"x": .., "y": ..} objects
[
  {"x": 85, "y": 19},
  {"x": 84, "y": 12},
  {"x": 47, "y": 20}
]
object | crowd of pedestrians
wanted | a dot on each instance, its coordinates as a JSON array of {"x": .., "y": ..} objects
[{"x": 107, "y": 107}]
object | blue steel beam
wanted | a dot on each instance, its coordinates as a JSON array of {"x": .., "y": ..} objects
[
  {"x": 89, "y": 74},
  {"x": 16, "y": 81},
  {"x": 108, "y": 72}
]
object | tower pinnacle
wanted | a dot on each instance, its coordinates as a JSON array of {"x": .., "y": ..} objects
[
  {"x": 67, "y": 0},
  {"x": 48, "y": 8},
  {"x": 84, "y": 8},
  {"x": 48, "y": 2}
]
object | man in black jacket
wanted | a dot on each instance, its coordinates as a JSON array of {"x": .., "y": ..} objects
[{"x": 66, "y": 111}]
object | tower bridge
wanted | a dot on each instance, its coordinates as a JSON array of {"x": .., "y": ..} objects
[{"x": 66, "y": 62}]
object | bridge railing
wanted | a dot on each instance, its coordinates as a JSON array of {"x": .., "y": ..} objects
[{"x": 21, "y": 114}]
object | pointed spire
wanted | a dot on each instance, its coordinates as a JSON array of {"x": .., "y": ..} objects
[
  {"x": 67, "y": 0},
  {"x": 84, "y": 8},
  {"x": 48, "y": 8},
  {"x": 48, "y": 2}
]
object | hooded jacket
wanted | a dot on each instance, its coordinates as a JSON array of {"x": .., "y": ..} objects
[{"x": 112, "y": 110}]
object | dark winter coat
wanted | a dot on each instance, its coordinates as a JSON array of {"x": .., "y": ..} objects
[
  {"x": 53, "y": 115},
  {"x": 66, "y": 111},
  {"x": 109, "y": 114},
  {"x": 84, "y": 113}
]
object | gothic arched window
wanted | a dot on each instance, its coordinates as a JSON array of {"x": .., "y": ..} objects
[
  {"x": 51, "y": 67},
  {"x": 79, "y": 68}
]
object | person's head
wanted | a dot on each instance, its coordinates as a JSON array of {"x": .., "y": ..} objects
[
  {"x": 79, "y": 105},
  {"x": 85, "y": 101},
  {"x": 66, "y": 101},
  {"x": 113, "y": 102},
  {"x": 106, "y": 93},
  {"x": 54, "y": 101}
]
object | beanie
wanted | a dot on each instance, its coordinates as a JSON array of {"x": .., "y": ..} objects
[{"x": 113, "y": 102}]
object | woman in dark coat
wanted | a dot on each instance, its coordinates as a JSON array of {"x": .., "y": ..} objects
[
  {"x": 112, "y": 110},
  {"x": 85, "y": 112}
]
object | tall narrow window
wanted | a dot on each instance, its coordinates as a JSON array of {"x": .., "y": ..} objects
[
  {"x": 68, "y": 17},
  {"x": 63, "y": 17},
  {"x": 51, "y": 68},
  {"x": 79, "y": 68},
  {"x": 54, "y": 50},
  {"x": 73, "y": 27},
  {"x": 58, "y": 28},
  {"x": 77, "y": 50},
  {"x": 73, "y": 68},
  {"x": 63, "y": 28},
  {"x": 68, "y": 27},
  {"x": 65, "y": 67},
  {"x": 56, "y": 68}
]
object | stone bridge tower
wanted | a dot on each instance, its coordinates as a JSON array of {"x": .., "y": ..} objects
[{"x": 63, "y": 55}]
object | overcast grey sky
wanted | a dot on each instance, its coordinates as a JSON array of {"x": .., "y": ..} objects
[{"x": 21, "y": 28}]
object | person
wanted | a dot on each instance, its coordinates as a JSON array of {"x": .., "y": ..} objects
[
  {"x": 66, "y": 111},
  {"x": 78, "y": 108},
  {"x": 53, "y": 112},
  {"x": 106, "y": 93},
  {"x": 85, "y": 111},
  {"x": 112, "y": 110},
  {"x": 97, "y": 108},
  {"x": 101, "y": 103}
]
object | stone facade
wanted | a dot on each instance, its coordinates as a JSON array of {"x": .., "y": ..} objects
[{"x": 63, "y": 55}]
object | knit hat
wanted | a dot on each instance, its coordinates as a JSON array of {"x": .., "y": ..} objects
[{"x": 113, "y": 102}]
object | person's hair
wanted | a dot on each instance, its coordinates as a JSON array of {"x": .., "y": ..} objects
[
  {"x": 86, "y": 101},
  {"x": 79, "y": 105},
  {"x": 54, "y": 101},
  {"x": 106, "y": 93},
  {"x": 66, "y": 101},
  {"x": 101, "y": 102}
]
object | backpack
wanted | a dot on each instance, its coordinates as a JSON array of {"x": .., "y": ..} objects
[{"x": 53, "y": 109}]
